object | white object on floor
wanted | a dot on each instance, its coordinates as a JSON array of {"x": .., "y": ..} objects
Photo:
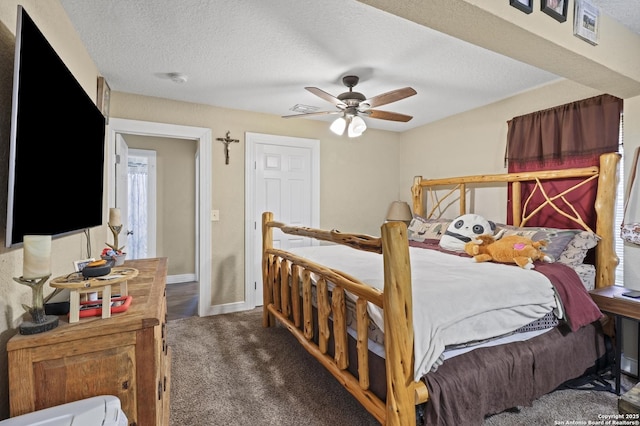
[{"x": 96, "y": 411}]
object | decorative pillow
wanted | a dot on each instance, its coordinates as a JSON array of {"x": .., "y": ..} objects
[
  {"x": 421, "y": 229},
  {"x": 465, "y": 228},
  {"x": 557, "y": 239},
  {"x": 577, "y": 249}
]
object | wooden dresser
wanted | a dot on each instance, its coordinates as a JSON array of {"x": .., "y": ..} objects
[{"x": 125, "y": 355}]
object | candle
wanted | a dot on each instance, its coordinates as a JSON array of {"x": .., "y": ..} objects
[
  {"x": 114, "y": 217},
  {"x": 37, "y": 256}
]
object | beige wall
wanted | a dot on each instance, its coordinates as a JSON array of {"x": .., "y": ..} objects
[
  {"x": 354, "y": 195},
  {"x": 358, "y": 177},
  {"x": 176, "y": 199},
  {"x": 352, "y": 188}
]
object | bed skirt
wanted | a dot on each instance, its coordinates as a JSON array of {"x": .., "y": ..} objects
[
  {"x": 485, "y": 381},
  {"x": 467, "y": 388}
]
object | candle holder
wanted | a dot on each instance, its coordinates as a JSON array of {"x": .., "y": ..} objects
[
  {"x": 116, "y": 252},
  {"x": 40, "y": 321},
  {"x": 115, "y": 230}
]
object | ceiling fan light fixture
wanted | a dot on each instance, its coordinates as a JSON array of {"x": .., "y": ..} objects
[
  {"x": 356, "y": 127},
  {"x": 338, "y": 126},
  {"x": 351, "y": 104}
]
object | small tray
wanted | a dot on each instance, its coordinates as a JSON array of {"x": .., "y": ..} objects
[
  {"x": 77, "y": 285},
  {"x": 93, "y": 308},
  {"x": 75, "y": 280}
]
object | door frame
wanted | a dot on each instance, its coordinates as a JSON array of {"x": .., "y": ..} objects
[
  {"x": 251, "y": 226},
  {"x": 202, "y": 136}
]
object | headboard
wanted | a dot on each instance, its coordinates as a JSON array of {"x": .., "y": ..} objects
[{"x": 455, "y": 190}]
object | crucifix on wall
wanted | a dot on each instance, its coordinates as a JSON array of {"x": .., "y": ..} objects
[{"x": 226, "y": 141}]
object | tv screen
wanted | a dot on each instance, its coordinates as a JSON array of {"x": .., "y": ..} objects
[{"x": 56, "y": 159}]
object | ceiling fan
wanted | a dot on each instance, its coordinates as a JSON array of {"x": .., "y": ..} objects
[{"x": 352, "y": 105}]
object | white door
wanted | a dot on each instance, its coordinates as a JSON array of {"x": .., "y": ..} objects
[{"x": 285, "y": 182}]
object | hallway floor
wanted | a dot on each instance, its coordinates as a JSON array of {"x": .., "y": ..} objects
[{"x": 182, "y": 300}]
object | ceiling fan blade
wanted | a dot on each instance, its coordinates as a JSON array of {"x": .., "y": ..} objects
[
  {"x": 313, "y": 113},
  {"x": 387, "y": 98},
  {"x": 326, "y": 96},
  {"x": 386, "y": 115}
]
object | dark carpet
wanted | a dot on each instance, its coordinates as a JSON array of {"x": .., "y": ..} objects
[{"x": 229, "y": 370}]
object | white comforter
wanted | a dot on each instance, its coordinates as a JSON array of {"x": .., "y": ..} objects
[{"x": 455, "y": 299}]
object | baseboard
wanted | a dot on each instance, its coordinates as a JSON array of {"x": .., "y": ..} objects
[
  {"x": 226, "y": 308},
  {"x": 184, "y": 278}
]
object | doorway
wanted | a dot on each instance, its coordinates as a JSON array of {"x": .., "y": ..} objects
[
  {"x": 202, "y": 136},
  {"x": 282, "y": 176},
  {"x": 135, "y": 194},
  {"x": 141, "y": 212}
]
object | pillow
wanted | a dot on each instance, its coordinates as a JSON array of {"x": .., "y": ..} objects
[
  {"x": 557, "y": 239},
  {"x": 465, "y": 228},
  {"x": 587, "y": 274},
  {"x": 421, "y": 229},
  {"x": 577, "y": 249}
]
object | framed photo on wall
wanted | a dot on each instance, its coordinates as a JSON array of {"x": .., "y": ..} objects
[
  {"x": 557, "y": 9},
  {"x": 586, "y": 21},
  {"x": 524, "y": 5},
  {"x": 104, "y": 95}
]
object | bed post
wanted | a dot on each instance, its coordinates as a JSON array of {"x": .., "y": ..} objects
[
  {"x": 606, "y": 258},
  {"x": 398, "y": 325},
  {"x": 267, "y": 243},
  {"x": 416, "y": 195}
]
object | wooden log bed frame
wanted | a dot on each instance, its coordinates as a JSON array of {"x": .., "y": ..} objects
[{"x": 282, "y": 301}]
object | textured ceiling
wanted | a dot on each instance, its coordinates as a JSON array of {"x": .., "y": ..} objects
[{"x": 258, "y": 55}]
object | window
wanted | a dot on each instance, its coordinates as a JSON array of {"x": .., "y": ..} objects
[{"x": 619, "y": 244}]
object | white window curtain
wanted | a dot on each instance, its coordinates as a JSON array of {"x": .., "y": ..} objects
[{"x": 137, "y": 217}]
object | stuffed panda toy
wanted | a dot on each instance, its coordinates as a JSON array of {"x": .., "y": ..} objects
[{"x": 464, "y": 229}]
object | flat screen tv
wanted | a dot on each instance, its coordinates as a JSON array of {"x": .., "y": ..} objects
[{"x": 56, "y": 155}]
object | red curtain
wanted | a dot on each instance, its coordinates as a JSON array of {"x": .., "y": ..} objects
[{"x": 567, "y": 136}]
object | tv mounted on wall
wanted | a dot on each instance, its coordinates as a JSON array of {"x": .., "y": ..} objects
[{"x": 56, "y": 158}]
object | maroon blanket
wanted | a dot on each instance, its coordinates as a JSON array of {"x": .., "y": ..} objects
[{"x": 579, "y": 308}]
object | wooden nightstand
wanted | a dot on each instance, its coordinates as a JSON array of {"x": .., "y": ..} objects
[{"x": 611, "y": 301}]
